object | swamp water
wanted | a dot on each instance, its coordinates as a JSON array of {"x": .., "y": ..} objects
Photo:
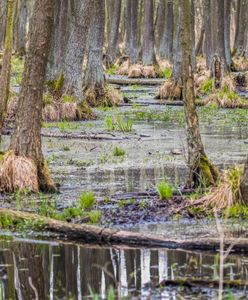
[
  {"x": 51, "y": 270},
  {"x": 33, "y": 269}
]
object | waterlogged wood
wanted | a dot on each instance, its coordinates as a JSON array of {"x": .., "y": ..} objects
[
  {"x": 134, "y": 81},
  {"x": 95, "y": 234},
  {"x": 191, "y": 282}
]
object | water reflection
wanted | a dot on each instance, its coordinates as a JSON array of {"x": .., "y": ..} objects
[{"x": 56, "y": 271}]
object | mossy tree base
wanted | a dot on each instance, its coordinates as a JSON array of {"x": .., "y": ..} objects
[
  {"x": 102, "y": 96},
  {"x": 202, "y": 173},
  {"x": 171, "y": 89},
  {"x": 23, "y": 173}
]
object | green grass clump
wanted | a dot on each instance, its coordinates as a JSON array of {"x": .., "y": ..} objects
[
  {"x": 109, "y": 123},
  {"x": 68, "y": 99},
  {"x": 47, "y": 99},
  {"x": 120, "y": 124},
  {"x": 112, "y": 70},
  {"x": 165, "y": 190},
  {"x": 124, "y": 125},
  {"x": 237, "y": 211},
  {"x": 118, "y": 151},
  {"x": 87, "y": 200},
  {"x": 94, "y": 216},
  {"x": 167, "y": 72},
  {"x": 206, "y": 86}
]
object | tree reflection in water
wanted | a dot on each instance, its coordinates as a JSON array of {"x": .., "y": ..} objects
[{"x": 62, "y": 271}]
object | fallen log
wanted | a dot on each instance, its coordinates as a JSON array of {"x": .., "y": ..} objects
[
  {"x": 97, "y": 136},
  {"x": 134, "y": 81},
  {"x": 193, "y": 282},
  {"x": 89, "y": 233}
]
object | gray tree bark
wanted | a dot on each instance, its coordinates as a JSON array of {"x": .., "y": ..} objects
[
  {"x": 166, "y": 44},
  {"x": 148, "y": 51},
  {"x": 20, "y": 25},
  {"x": 114, "y": 31},
  {"x": 81, "y": 13}
]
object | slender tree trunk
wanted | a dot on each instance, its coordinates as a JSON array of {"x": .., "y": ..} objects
[
  {"x": 24, "y": 166},
  {"x": 200, "y": 168},
  {"x": 166, "y": 44},
  {"x": 114, "y": 32},
  {"x": 6, "y": 67},
  {"x": 244, "y": 184},
  {"x": 177, "y": 58},
  {"x": 3, "y": 17},
  {"x": 148, "y": 51},
  {"x": 208, "y": 32},
  {"x": 76, "y": 46},
  {"x": 227, "y": 33},
  {"x": 242, "y": 27},
  {"x": 20, "y": 27}
]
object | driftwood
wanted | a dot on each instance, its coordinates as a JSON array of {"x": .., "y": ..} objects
[
  {"x": 97, "y": 136},
  {"x": 89, "y": 233},
  {"x": 134, "y": 81}
]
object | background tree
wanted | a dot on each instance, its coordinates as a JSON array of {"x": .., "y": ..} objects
[
  {"x": 6, "y": 66},
  {"x": 23, "y": 165}
]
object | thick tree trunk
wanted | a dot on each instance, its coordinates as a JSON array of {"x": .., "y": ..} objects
[
  {"x": 94, "y": 87},
  {"x": 73, "y": 65},
  {"x": 132, "y": 36},
  {"x": 218, "y": 36},
  {"x": 6, "y": 67},
  {"x": 244, "y": 185},
  {"x": 148, "y": 51},
  {"x": 166, "y": 44},
  {"x": 59, "y": 41},
  {"x": 114, "y": 31},
  {"x": 24, "y": 166},
  {"x": 200, "y": 168}
]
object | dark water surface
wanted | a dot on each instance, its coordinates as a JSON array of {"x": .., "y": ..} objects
[{"x": 49, "y": 270}]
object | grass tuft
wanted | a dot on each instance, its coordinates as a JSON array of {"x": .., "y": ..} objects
[{"x": 165, "y": 190}]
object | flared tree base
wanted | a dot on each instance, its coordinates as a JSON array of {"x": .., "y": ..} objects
[
  {"x": 171, "y": 89},
  {"x": 23, "y": 174},
  {"x": 105, "y": 96}
]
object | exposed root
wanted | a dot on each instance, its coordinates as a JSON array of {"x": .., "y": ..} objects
[
  {"x": 106, "y": 96},
  {"x": 170, "y": 90},
  {"x": 227, "y": 193},
  {"x": 18, "y": 173}
]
